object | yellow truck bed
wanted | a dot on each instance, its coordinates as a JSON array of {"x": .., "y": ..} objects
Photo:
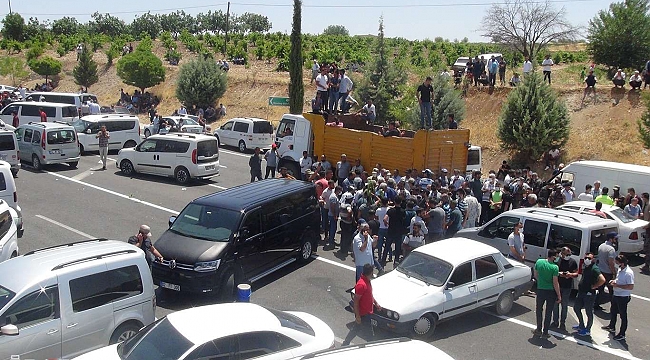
[{"x": 433, "y": 150}]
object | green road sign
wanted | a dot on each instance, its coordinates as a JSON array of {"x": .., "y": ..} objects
[{"x": 278, "y": 101}]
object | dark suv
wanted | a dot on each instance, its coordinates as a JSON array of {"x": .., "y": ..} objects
[{"x": 238, "y": 235}]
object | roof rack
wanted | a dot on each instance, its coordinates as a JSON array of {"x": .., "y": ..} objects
[
  {"x": 96, "y": 257},
  {"x": 64, "y": 245},
  {"x": 359, "y": 346},
  {"x": 574, "y": 219},
  {"x": 182, "y": 135}
]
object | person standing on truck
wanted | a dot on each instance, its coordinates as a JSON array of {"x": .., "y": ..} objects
[
  {"x": 423, "y": 93},
  {"x": 322, "y": 81},
  {"x": 343, "y": 169},
  {"x": 255, "y": 163},
  {"x": 345, "y": 87},
  {"x": 452, "y": 124},
  {"x": 368, "y": 112}
]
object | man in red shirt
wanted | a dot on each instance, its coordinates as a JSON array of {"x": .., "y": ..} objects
[
  {"x": 15, "y": 121},
  {"x": 43, "y": 115},
  {"x": 364, "y": 304}
]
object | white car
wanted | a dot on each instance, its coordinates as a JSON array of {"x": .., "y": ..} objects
[
  {"x": 176, "y": 124},
  {"x": 400, "y": 348},
  {"x": 225, "y": 331},
  {"x": 246, "y": 133},
  {"x": 446, "y": 278},
  {"x": 631, "y": 231}
]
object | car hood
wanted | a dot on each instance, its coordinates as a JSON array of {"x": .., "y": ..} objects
[
  {"x": 106, "y": 353},
  {"x": 636, "y": 224},
  {"x": 395, "y": 290},
  {"x": 188, "y": 250}
]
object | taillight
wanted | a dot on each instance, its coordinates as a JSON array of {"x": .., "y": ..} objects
[
  {"x": 194, "y": 156},
  {"x": 43, "y": 140},
  {"x": 582, "y": 262},
  {"x": 15, "y": 197},
  {"x": 634, "y": 235}
]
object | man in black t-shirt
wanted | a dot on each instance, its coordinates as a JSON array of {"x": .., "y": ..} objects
[
  {"x": 424, "y": 98},
  {"x": 568, "y": 271},
  {"x": 394, "y": 218}
]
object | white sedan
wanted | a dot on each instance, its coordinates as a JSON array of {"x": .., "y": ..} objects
[
  {"x": 223, "y": 331},
  {"x": 446, "y": 278},
  {"x": 177, "y": 123}
]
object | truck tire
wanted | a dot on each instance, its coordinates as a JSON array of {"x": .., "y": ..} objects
[{"x": 293, "y": 169}]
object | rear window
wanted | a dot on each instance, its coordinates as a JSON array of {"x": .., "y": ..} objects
[
  {"x": 60, "y": 136},
  {"x": 207, "y": 148},
  {"x": 69, "y": 111},
  {"x": 262, "y": 127},
  {"x": 598, "y": 237},
  {"x": 473, "y": 157},
  {"x": 7, "y": 142}
]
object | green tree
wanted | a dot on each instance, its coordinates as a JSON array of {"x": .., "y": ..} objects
[
  {"x": 644, "y": 126},
  {"x": 146, "y": 24},
  {"x": 141, "y": 68},
  {"x": 336, "y": 30},
  {"x": 533, "y": 119},
  {"x": 66, "y": 26},
  {"x": 383, "y": 81},
  {"x": 255, "y": 23},
  {"x": 45, "y": 66},
  {"x": 620, "y": 37},
  {"x": 296, "y": 87},
  {"x": 106, "y": 24},
  {"x": 446, "y": 100},
  {"x": 200, "y": 82},
  {"x": 13, "y": 27},
  {"x": 14, "y": 68},
  {"x": 85, "y": 73},
  {"x": 172, "y": 23}
]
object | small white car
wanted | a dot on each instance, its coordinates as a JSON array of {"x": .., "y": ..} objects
[
  {"x": 8, "y": 232},
  {"x": 124, "y": 131},
  {"x": 175, "y": 124},
  {"x": 400, "y": 348},
  {"x": 224, "y": 331},
  {"x": 631, "y": 231},
  {"x": 246, "y": 133},
  {"x": 443, "y": 279},
  {"x": 179, "y": 155}
]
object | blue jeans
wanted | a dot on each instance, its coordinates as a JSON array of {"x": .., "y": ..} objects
[
  {"x": 544, "y": 299},
  {"x": 344, "y": 104},
  {"x": 324, "y": 218},
  {"x": 566, "y": 293},
  {"x": 585, "y": 301},
  {"x": 334, "y": 99},
  {"x": 425, "y": 115},
  {"x": 333, "y": 227},
  {"x": 359, "y": 272},
  {"x": 380, "y": 241}
]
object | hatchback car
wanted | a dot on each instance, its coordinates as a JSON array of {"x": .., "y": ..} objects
[
  {"x": 246, "y": 133},
  {"x": 176, "y": 124},
  {"x": 224, "y": 331},
  {"x": 631, "y": 231},
  {"x": 436, "y": 282}
]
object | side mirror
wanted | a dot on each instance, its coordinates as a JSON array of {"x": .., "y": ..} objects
[
  {"x": 11, "y": 330},
  {"x": 450, "y": 285},
  {"x": 171, "y": 220}
]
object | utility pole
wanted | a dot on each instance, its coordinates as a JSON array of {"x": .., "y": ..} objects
[
  {"x": 225, "y": 44},
  {"x": 10, "y": 6}
]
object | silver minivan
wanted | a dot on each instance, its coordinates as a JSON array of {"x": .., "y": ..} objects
[
  {"x": 63, "y": 301},
  {"x": 48, "y": 143},
  {"x": 9, "y": 150}
]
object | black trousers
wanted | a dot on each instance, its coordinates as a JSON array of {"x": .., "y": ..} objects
[
  {"x": 545, "y": 298},
  {"x": 619, "y": 308},
  {"x": 547, "y": 74},
  {"x": 270, "y": 169}
]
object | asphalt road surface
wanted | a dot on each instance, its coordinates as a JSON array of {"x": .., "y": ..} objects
[{"x": 62, "y": 205}]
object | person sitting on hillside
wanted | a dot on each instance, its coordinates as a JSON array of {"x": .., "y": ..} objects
[
  {"x": 515, "y": 80},
  {"x": 619, "y": 79},
  {"x": 590, "y": 81},
  {"x": 635, "y": 80},
  {"x": 483, "y": 79}
]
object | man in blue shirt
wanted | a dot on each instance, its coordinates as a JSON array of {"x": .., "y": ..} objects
[{"x": 493, "y": 67}]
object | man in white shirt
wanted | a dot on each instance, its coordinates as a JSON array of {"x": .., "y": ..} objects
[
  {"x": 587, "y": 195},
  {"x": 619, "y": 79},
  {"x": 546, "y": 67},
  {"x": 635, "y": 80},
  {"x": 305, "y": 164},
  {"x": 623, "y": 285},
  {"x": 182, "y": 110},
  {"x": 368, "y": 112},
  {"x": 345, "y": 86},
  {"x": 314, "y": 71},
  {"x": 528, "y": 67},
  {"x": 94, "y": 108},
  {"x": 321, "y": 86}
]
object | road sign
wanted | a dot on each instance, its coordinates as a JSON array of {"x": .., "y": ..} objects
[{"x": 278, "y": 101}]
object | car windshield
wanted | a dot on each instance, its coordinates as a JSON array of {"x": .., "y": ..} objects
[
  {"x": 60, "y": 137},
  {"x": 292, "y": 322},
  {"x": 80, "y": 125},
  {"x": 158, "y": 341},
  {"x": 188, "y": 122},
  {"x": 429, "y": 269},
  {"x": 5, "y": 296},
  {"x": 206, "y": 222},
  {"x": 621, "y": 215}
]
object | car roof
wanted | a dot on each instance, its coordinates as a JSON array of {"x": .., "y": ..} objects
[
  {"x": 609, "y": 165},
  {"x": 182, "y": 136},
  {"x": 47, "y": 125},
  {"x": 39, "y": 265},
  {"x": 392, "y": 348},
  {"x": 559, "y": 216},
  {"x": 588, "y": 204},
  {"x": 248, "y": 119},
  {"x": 58, "y": 93},
  {"x": 252, "y": 194},
  {"x": 222, "y": 320},
  {"x": 448, "y": 250},
  {"x": 109, "y": 117},
  {"x": 41, "y": 103}
]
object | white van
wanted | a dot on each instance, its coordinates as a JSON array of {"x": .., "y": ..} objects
[
  {"x": 28, "y": 111},
  {"x": 123, "y": 129},
  {"x": 8, "y": 233},
  {"x": 48, "y": 143},
  {"x": 75, "y": 99},
  {"x": 246, "y": 133},
  {"x": 474, "y": 163},
  {"x": 9, "y": 150},
  {"x": 581, "y": 173}
]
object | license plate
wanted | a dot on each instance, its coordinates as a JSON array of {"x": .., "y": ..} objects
[
  {"x": 170, "y": 286},
  {"x": 55, "y": 151},
  {"x": 209, "y": 167},
  {"x": 373, "y": 322}
]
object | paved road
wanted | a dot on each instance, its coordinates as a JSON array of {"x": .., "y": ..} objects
[{"x": 62, "y": 205}]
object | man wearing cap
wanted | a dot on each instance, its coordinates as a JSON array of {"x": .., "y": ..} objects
[
  {"x": 143, "y": 240},
  {"x": 426, "y": 179},
  {"x": 443, "y": 179},
  {"x": 635, "y": 80},
  {"x": 619, "y": 79},
  {"x": 305, "y": 164},
  {"x": 607, "y": 267},
  {"x": 271, "y": 158}
]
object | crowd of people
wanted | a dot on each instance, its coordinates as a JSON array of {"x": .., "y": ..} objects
[{"x": 138, "y": 102}]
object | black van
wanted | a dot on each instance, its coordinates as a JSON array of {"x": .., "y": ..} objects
[{"x": 238, "y": 236}]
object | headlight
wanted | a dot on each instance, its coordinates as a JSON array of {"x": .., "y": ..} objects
[
  {"x": 395, "y": 315},
  {"x": 389, "y": 313},
  {"x": 206, "y": 266}
]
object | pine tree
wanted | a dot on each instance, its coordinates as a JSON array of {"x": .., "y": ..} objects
[
  {"x": 533, "y": 119},
  {"x": 85, "y": 73},
  {"x": 644, "y": 126},
  {"x": 296, "y": 88},
  {"x": 446, "y": 100}
]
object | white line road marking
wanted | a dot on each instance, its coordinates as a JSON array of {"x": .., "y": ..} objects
[
  {"x": 108, "y": 158},
  {"x": 78, "y": 232},
  {"x": 223, "y": 166},
  {"x": 83, "y": 175},
  {"x": 155, "y": 206},
  {"x": 332, "y": 262},
  {"x": 217, "y": 186},
  {"x": 641, "y": 297},
  {"x": 234, "y": 153}
]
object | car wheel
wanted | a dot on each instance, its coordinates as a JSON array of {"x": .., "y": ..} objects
[
  {"x": 182, "y": 176},
  {"x": 73, "y": 164},
  {"x": 14, "y": 172},
  {"x": 126, "y": 167},
  {"x": 124, "y": 332},
  {"x": 227, "y": 289},
  {"x": 147, "y": 133},
  {"x": 129, "y": 144},
  {"x": 505, "y": 302},
  {"x": 425, "y": 326},
  {"x": 13, "y": 255},
  {"x": 242, "y": 146},
  {"x": 309, "y": 243},
  {"x": 81, "y": 150},
  {"x": 36, "y": 163}
]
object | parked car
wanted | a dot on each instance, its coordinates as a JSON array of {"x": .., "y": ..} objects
[
  {"x": 8, "y": 234},
  {"x": 9, "y": 194},
  {"x": 401, "y": 348},
  {"x": 460, "y": 64},
  {"x": 436, "y": 282},
  {"x": 175, "y": 124},
  {"x": 224, "y": 331},
  {"x": 181, "y": 156},
  {"x": 76, "y": 99},
  {"x": 48, "y": 143},
  {"x": 238, "y": 235},
  {"x": 9, "y": 150},
  {"x": 123, "y": 129},
  {"x": 631, "y": 231},
  {"x": 246, "y": 133},
  {"x": 62, "y": 301},
  {"x": 28, "y": 111},
  {"x": 7, "y": 88}
]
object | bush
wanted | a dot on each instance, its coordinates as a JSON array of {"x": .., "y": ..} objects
[
  {"x": 34, "y": 52},
  {"x": 200, "y": 82},
  {"x": 46, "y": 66},
  {"x": 173, "y": 56},
  {"x": 61, "y": 51}
]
